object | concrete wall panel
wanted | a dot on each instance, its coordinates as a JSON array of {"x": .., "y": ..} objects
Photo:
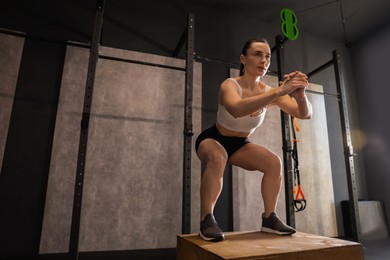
[
  {"x": 133, "y": 180},
  {"x": 11, "y": 48}
]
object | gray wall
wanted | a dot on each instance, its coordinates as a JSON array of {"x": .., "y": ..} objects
[{"x": 371, "y": 62}]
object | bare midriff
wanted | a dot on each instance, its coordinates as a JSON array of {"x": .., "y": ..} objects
[{"x": 227, "y": 132}]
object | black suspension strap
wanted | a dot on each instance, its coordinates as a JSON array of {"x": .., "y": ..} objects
[{"x": 299, "y": 197}]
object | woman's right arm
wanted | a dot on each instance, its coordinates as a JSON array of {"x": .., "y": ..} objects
[{"x": 239, "y": 107}]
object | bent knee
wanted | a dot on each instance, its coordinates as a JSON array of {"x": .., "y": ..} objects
[
  {"x": 216, "y": 159},
  {"x": 274, "y": 165},
  {"x": 276, "y": 161}
]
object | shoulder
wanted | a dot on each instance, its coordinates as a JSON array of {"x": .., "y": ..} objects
[{"x": 230, "y": 83}]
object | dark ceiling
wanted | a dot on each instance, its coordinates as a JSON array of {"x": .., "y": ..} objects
[{"x": 339, "y": 20}]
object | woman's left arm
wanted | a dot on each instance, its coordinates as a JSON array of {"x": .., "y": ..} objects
[{"x": 298, "y": 106}]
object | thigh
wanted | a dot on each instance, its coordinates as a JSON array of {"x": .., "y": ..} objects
[
  {"x": 210, "y": 149},
  {"x": 253, "y": 157}
]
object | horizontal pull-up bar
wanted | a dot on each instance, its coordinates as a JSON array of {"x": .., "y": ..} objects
[
  {"x": 235, "y": 65},
  {"x": 142, "y": 63},
  {"x": 232, "y": 64},
  {"x": 322, "y": 93},
  {"x": 181, "y": 42}
]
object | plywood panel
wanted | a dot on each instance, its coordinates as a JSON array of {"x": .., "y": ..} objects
[{"x": 259, "y": 245}]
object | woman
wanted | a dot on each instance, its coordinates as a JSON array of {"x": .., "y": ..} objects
[{"x": 243, "y": 102}]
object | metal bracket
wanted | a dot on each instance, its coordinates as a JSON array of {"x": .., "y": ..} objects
[
  {"x": 348, "y": 150},
  {"x": 187, "y": 159}
]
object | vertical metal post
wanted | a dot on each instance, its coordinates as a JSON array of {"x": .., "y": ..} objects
[
  {"x": 186, "y": 207},
  {"x": 78, "y": 191},
  {"x": 348, "y": 149},
  {"x": 286, "y": 138}
]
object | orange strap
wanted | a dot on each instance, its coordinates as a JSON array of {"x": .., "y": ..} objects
[
  {"x": 298, "y": 193},
  {"x": 296, "y": 125},
  {"x": 296, "y": 129}
]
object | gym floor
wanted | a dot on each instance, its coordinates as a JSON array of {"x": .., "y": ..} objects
[{"x": 376, "y": 249}]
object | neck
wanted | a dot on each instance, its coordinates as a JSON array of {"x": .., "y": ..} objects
[{"x": 250, "y": 81}]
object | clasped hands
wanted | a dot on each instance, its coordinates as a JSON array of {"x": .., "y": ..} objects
[{"x": 294, "y": 84}]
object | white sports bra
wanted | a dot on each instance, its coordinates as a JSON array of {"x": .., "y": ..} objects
[{"x": 246, "y": 124}]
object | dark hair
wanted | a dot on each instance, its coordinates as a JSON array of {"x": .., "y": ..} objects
[{"x": 247, "y": 45}]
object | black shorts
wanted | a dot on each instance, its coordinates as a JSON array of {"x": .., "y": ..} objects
[{"x": 230, "y": 143}]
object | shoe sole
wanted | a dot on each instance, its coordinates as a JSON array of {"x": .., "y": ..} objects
[
  {"x": 272, "y": 231},
  {"x": 212, "y": 239}
]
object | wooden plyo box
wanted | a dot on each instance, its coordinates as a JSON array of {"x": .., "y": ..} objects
[{"x": 258, "y": 245}]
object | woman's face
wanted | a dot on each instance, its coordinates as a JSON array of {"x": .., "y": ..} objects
[{"x": 257, "y": 59}]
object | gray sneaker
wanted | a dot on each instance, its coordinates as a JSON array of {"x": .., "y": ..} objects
[
  {"x": 274, "y": 225},
  {"x": 209, "y": 229}
]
